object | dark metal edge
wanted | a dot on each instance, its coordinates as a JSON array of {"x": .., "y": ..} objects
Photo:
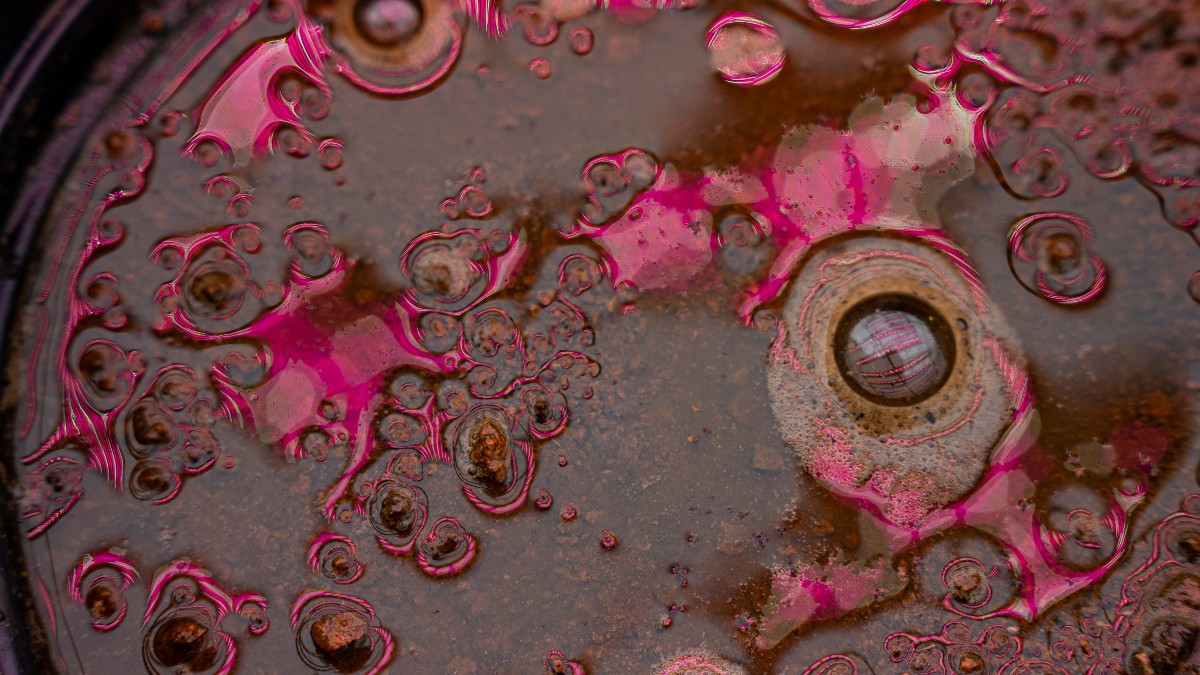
[{"x": 49, "y": 69}]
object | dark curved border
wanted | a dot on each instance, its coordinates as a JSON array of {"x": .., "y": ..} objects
[{"x": 55, "y": 50}]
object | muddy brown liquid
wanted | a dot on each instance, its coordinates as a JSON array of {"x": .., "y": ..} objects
[{"x": 675, "y": 450}]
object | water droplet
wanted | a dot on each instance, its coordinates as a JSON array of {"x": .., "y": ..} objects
[
  {"x": 1050, "y": 254},
  {"x": 315, "y": 443},
  {"x": 1194, "y": 286},
  {"x": 168, "y": 124},
  {"x": 314, "y": 256},
  {"x": 581, "y": 40},
  {"x": 744, "y": 49},
  {"x": 540, "y": 67},
  {"x": 314, "y": 104},
  {"x": 207, "y": 153},
  {"x": 541, "y": 28},
  {"x": 215, "y": 288},
  {"x": 568, "y": 512},
  {"x": 387, "y": 22},
  {"x": 330, "y": 151},
  {"x": 608, "y": 540}
]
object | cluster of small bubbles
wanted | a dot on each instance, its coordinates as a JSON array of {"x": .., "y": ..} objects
[
  {"x": 613, "y": 181},
  {"x": 582, "y": 40},
  {"x": 681, "y": 573},
  {"x": 608, "y": 540},
  {"x": 544, "y": 499},
  {"x": 745, "y": 49},
  {"x": 471, "y": 202},
  {"x": 569, "y": 512},
  {"x": 673, "y": 610},
  {"x": 1072, "y": 95},
  {"x": 541, "y": 68},
  {"x": 170, "y": 414}
]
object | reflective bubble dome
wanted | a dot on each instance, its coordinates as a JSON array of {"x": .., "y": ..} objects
[{"x": 894, "y": 350}]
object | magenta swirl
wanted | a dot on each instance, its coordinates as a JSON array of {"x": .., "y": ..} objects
[
  {"x": 334, "y": 556},
  {"x": 98, "y": 583}
]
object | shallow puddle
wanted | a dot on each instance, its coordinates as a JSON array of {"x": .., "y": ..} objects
[{"x": 508, "y": 338}]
